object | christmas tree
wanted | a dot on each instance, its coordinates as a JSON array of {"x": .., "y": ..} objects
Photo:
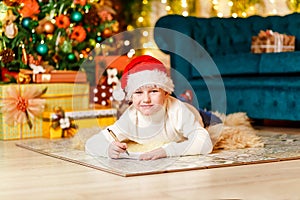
[{"x": 54, "y": 34}]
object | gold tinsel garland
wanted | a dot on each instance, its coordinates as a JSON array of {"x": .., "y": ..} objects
[{"x": 293, "y": 5}]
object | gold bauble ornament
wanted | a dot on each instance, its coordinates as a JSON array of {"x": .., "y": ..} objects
[
  {"x": 48, "y": 27},
  {"x": 115, "y": 27},
  {"x": 107, "y": 32},
  {"x": 11, "y": 30},
  {"x": 40, "y": 28}
]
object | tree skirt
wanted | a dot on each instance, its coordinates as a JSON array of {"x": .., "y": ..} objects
[{"x": 277, "y": 147}]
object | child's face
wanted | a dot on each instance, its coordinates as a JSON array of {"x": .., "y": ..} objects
[{"x": 148, "y": 99}]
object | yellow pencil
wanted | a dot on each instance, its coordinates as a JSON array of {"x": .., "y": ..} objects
[{"x": 115, "y": 138}]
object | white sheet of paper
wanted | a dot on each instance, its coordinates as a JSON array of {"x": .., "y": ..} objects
[{"x": 132, "y": 155}]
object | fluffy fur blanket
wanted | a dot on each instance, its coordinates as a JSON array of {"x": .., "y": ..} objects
[{"x": 236, "y": 132}]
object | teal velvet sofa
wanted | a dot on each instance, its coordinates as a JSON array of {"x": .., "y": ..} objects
[{"x": 212, "y": 57}]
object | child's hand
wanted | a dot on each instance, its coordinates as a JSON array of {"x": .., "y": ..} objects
[
  {"x": 154, "y": 154},
  {"x": 115, "y": 148}
]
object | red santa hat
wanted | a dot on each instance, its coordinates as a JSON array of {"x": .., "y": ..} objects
[{"x": 141, "y": 71}]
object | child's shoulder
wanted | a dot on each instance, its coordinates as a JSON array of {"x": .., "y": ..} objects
[
  {"x": 180, "y": 105},
  {"x": 173, "y": 101},
  {"x": 176, "y": 103}
]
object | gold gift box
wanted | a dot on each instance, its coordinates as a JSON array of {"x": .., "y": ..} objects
[
  {"x": 271, "y": 42},
  {"x": 82, "y": 119},
  {"x": 70, "y": 96},
  {"x": 21, "y": 131}
]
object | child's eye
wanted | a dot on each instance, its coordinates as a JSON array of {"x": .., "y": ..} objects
[
  {"x": 154, "y": 91},
  {"x": 138, "y": 92}
]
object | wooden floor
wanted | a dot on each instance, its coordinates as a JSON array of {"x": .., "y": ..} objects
[{"x": 28, "y": 175}]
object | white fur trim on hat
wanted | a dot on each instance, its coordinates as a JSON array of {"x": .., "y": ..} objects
[{"x": 148, "y": 77}]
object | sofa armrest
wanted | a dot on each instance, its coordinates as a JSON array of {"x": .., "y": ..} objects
[
  {"x": 173, "y": 35},
  {"x": 171, "y": 38},
  {"x": 165, "y": 30}
]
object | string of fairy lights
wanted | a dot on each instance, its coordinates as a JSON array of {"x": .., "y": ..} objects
[
  {"x": 219, "y": 8},
  {"x": 151, "y": 10},
  {"x": 182, "y": 7},
  {"x": 146, "y": 13},
  {"x": 244, "y": 8},
  {"x": 142, "y": 18}
]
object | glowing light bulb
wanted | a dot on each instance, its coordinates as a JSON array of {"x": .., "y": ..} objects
[
  {"x": 220, "y": 14},
  {"x": 183, "y": 3},
  {"x": 215, "y": 2},
  {"x": 126, "y": 42},
  {"x": 185, "y": 13},
  {"x": 140, "y": 19},
  {"x": 145, "y": 33}
]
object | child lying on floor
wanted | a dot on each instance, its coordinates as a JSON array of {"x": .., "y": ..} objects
[{"x": 155, "y": 118}]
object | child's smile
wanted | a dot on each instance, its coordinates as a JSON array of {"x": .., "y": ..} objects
[{"x": 148, "y": 99}]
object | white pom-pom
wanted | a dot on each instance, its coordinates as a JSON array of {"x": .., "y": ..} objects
[{"x": 118, "y": 94}]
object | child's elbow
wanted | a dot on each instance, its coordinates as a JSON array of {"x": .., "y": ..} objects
[
  {"x": 97, "y": 145},
  {"x": 207, "y": 146},
  {"x": 88, "y": 145},
  {"x": 92, "y": 146}
]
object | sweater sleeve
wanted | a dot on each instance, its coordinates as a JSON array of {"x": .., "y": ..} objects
[
  {"x": 197, "y": 142},
  {"x": 197, "y": 139},
  {"x": 97, "y": 145}
]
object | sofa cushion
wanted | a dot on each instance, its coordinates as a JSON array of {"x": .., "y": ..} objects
[
  {"x": 284, "y": 62},
  {"x": 222, "y": 36},
  {"x": 234, "y": 64},
  {"x": 259, "y": 97},
  {"x": 243, "y": 63}
]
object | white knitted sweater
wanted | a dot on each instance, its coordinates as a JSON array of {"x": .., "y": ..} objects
[{"x": 177, "y": 128}]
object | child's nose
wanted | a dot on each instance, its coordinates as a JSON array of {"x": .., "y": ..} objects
[{"x": 146, "y": 97}]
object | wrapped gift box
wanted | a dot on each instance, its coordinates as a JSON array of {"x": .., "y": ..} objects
[
  {"x": 107, "y": 67},
  {"x": 70, "y": 96},
  {"x": 55, "y": 76},
  {"x": 270, "y": 42},
  {"x": 104, "y": 62},
  {"x": 21, "y": 131},
  {"x": 82, "y": 119},
  {"x": 61, "y": 76}
]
